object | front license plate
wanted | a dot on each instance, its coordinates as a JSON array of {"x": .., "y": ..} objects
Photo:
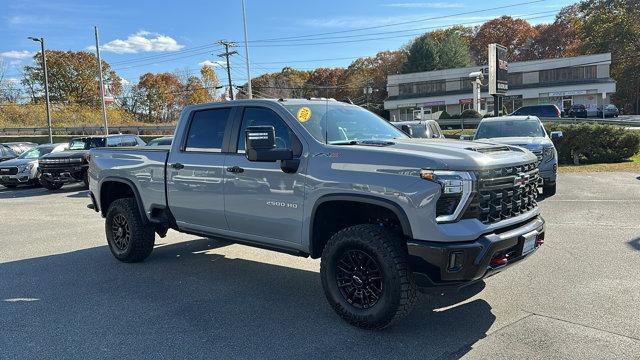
[{"x": 529, "y": 242}]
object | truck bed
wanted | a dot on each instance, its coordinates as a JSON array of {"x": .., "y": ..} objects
[{"x": 145, "y": 167}]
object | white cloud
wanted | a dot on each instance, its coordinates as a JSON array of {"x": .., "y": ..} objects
[
  {"x": 17, "y": 54},
  {"x": 212, "y": 63},
  {"x": 124, "y": 82},
  {"x": 425, "y": 5},
  {"x": 142, "y": 41}
]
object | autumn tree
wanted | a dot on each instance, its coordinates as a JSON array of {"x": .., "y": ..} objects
[
  {"x": 73, "y": 77},
  {"x": 324, "y": 82},
  {"x": 372, "y": 72},
  {"x": 516, "y": 35},
  {"x": 159, "y": 95},
  {"x": 194, "y": 92},
  {"x": 558, "y": 39},
  {"x": 437, "y": 50},
  {"x": 614, "y": 26},
  {"x": 210, "y": 81},
  {"x": 288, "y": 83}
]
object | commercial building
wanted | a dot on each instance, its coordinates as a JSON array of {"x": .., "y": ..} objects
[{"x": 563, "y": 82}]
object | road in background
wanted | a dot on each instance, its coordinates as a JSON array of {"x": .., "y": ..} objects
[{"x": 63, "y": 295}]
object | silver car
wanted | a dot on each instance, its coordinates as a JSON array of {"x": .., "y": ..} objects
[
  {"x": 526, "y": 132},
  {"x": 24, "y": 168}
]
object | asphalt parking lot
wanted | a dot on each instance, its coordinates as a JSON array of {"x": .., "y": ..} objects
[{"x": 62, "y": 294}]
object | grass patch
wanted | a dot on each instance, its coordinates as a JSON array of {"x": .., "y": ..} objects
[{"x": 632, "y": 165}]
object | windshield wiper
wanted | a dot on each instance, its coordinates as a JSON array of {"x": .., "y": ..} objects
[{"x": 363, "y": 142}]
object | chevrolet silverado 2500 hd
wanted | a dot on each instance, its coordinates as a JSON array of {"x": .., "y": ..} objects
[{"x": 387, "y": 214}]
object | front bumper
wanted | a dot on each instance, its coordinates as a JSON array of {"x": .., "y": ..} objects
[
  {"x": 64, "y": 175},
  {"x": 437, "y": 264}
]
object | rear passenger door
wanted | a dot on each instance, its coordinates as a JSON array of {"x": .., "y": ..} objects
[
  {"x": 195, "y": 172},
  {"x": 261, "y": 200}
]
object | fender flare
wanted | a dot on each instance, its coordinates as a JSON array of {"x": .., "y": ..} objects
[
  {"x": 134, "y": 189},
  {"x": 367, "y": 199}
]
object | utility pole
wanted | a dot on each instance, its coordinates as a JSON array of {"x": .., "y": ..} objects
[
  {"x": 226, "y": 55},
  {"x": 104, "y": 108},
  {"x": 246, "y": 49},
  {"x": 46, "y": 84}
]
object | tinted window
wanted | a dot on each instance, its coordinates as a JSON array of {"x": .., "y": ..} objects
[
  {"x": 510, "y": 128},
  {"x": 86, "y": 143},
  {"x": 206, "y": 130},
  {"x": 114, "y": 141},
  {"x": 263, "y": 116}
]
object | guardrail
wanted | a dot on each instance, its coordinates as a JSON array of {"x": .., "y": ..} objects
[
  {"x": 473, "y": 122},
  {"x": 92, "y": 130}
]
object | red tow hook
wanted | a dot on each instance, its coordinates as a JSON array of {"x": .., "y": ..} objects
[
  {"x": 539, "y": 242},
  {"x": 499, "y": 261}
]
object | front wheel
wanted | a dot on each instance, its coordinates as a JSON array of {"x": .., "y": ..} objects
[
  {"x": 49, "y": 185},
  {"x": 366, "y": 276},
  {"x": 130, "y": 238},
  {"x": 549, "y": 190}
]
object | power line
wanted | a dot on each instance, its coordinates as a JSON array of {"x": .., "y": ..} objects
[{"x": 399, "y": 23}]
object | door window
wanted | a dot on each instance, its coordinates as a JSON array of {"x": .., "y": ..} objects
[
  {"x": 114, "y": 141},
  {"x": 206, "y": 130},
  {"x": 285, "y": 138}
]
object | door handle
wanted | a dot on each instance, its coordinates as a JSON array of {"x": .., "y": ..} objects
[
  {"x": 235, "y": 169},
  {"x": 177, "y": 166}
]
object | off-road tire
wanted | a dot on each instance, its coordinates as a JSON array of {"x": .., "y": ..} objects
[
  {"x": 549, "y": 190},
  {"x": 50, "y": 185},
  {"x": 386, "y": 248},
  {"x": 141, "y": 236}
]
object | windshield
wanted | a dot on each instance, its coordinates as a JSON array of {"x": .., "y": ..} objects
[
  {"x": 86, "y": 143},
  {"x": 336, "y": 123},
  {"x": 35, "y": 153},
  {"x": 510, "y": 128}
]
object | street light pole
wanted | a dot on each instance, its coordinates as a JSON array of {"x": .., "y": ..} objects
[
  {"x": 246, "y": 49},
  {"x": 104, "y": 108},
  {"x": 46, "y": 84}
]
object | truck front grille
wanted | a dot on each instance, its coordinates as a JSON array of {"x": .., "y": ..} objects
[
  {"x": 504, "y": 193},
  {"x": 8, "y": 170}
]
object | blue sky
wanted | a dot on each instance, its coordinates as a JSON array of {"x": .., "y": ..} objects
[{"x": 143, "y": 36}]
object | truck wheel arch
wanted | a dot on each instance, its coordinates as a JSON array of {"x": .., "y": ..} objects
[
  {"x": 112, "y": 188},
  {"x": 372, "y": 203}
]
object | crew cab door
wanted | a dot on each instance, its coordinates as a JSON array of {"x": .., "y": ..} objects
[
  {"x": 195, "y": 171},
  {"x": 261, "y": 200}
]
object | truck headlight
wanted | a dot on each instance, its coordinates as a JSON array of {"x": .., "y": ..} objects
[
  {"x": 25, "y": 168},
  {"x": 456, "y": 188},
  {"x": 548, "y": 153}
]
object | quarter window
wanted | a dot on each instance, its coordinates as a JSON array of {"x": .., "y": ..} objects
[{"x": 206, "y": 131}]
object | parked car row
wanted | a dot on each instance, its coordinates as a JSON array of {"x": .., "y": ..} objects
[
  {"x": 53, "y": 165},
  {"x": 576, "y": 110}
]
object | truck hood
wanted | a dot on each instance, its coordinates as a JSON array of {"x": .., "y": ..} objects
[
  {"x": 447, "y": 154},
  {"x": 526, "y": 142},
  {"x": 66, "y": 154},
  {"x": 17, "y": 162}
]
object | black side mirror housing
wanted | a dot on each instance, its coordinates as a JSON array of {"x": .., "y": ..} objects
[{"x": 261, "y": 145}]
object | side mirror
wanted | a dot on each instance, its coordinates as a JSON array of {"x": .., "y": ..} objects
[
  {"x": 556, "y": 135},
  {"x": 261, "y": 145},
  {"x": 466, "y": 137}
]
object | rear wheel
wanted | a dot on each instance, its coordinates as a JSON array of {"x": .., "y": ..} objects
[
  {"x": 366, "y": 277},
  {"x": 549, "y": 190},
  {"x": 49, "y": 185},
  {"x": 130, "y": 238}
]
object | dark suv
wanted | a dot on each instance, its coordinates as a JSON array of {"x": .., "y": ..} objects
[
  {"x": 70, "y": 166},
  {"x": 578, "y": 110},
  {"x": 541, "y": 111}
]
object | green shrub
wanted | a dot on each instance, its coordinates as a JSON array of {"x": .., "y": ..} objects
[
  {"x": 445, "y": 115},
  {"x": 471, "y": 114},
  {"x": 594, "y": 143}
]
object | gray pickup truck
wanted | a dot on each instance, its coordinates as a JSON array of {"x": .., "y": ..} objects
[{"x": 387, "y": 214}]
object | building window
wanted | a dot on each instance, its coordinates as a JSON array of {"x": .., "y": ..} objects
[
  {"x": 422, "y": 88},
  {"x": 405, "y": 89},
  {"x": 515, "y": 79},
  {"x": 465, "y": 84},
  {"x": 568, "y": 74}
]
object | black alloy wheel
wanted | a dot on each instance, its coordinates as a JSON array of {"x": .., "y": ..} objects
[
  {"x": 359, "y": 279},
  {"x": 121, "y": 232}
]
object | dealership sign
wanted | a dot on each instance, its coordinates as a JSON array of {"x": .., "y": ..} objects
[
  {"x": 498, "y": 70},
  {"x": 568, "y": 93}
]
